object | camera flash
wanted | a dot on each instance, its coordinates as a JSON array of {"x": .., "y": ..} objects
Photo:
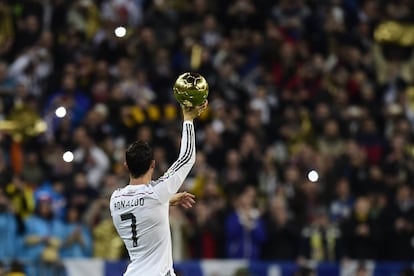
[
  {"x": 68, "y": 156},
  {"x": 60, "y": 112},
  {"x": 120, "y": 31},
  {"x": 313, "y": 176}
]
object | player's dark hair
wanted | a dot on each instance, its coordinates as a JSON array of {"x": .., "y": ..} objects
[{"x": 138, "y": 157}]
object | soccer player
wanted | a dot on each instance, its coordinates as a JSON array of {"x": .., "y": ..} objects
[{"x": 140, "y": 210}]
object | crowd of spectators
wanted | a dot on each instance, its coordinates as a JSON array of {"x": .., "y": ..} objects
[{"x": 295, "y": 86}]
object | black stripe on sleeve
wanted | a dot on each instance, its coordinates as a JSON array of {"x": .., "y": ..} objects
[
  {"x": 179, "y": 163},
  {"x": 188, "y": 157},
  {"x": 187, "y": 150}
]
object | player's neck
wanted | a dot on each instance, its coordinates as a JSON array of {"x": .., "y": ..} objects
[{"x": 142, "y": 180}]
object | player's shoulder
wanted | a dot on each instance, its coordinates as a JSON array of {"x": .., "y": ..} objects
[
  {"x": 117, "y": 192},
  {"x": 132, "y": 190}
]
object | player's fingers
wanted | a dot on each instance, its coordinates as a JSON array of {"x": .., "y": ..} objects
[
  {"x": 202, "y": 107},
  {"x": 189, "y": 201},
  {"x": 189, "y": 195}
]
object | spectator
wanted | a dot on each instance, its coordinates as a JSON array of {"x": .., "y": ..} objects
[
  {"x": 211, "y": 35},
  {"x": 8, "y": 227},
  {"x": 90, "y": 157},
  {"x": 395, "y": 171},
  {"x": 342, "y": 205},
  {"x": 330, "y": 142},
  {"x": 282, "y": 242},
  {"x": 180, "y": 228},
  {"x": 33, "y": 66},
  {"x": 380, "y": 214},
  {"x": 401, "y": 225},
  {"x": 21, "y": 197},
  {"x": 43, "y": 237},
  {"x": 207, "y": 235},
  {"x": 32, "y": 169},
  {"x": 80, "y": 194},
  {"x": 232, "y": 172},
  {"x": 55, "y": 191},
  {"x": 312, "y": 199},
  {"x": 245, "y": 232},
  {"x": 268, "y": 175},
  {"x": 359, "y": 233},
  {"x": 293, "y": 193},
  {"x": 70, "y": 97},
  {"x": 212, "y": 146},
  {"x": 249, "y": 156},
  {"x": 95, "y": 122},
  {"x": 354, "y": 166},
  {"x": 59, "y": 200},
  {"x": 77, "y": 240},
  {"x": 27, "y": 34},
  {"x": 321, "y": 240},
  {"x": 375, "y": 181},
  {"x": 370, "y": 141}
]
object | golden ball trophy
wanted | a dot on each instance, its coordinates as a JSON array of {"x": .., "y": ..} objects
[{"x": 190, "y": 89}]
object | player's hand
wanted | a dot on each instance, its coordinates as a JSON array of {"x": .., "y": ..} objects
[
  {"x": 184, "y": 199},
  {"x": 190, "y": 113}
]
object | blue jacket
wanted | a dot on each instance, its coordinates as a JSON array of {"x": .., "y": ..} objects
[
  {"x": 8, "y": 236},
  {"x": 76, "y": 250},
  {"x": 242, "y": 242},
  {"x": 38, "y": 226}
]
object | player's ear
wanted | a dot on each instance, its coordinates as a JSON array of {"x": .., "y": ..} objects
[
  {"x": 152, "y": 166},
  {"x": 125, "y": 165}
]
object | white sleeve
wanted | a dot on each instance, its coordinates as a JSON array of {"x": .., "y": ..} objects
[{"x": 168, "y": 184}]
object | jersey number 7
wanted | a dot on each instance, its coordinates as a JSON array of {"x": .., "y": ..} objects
[{"x": 133, "y": 219}]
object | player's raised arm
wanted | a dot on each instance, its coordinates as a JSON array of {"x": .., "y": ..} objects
[{"x": 167, "y": 185}]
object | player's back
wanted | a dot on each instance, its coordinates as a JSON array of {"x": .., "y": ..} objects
[
  {"x": 140, "y": 214},
  {"x": 142, "y": 222}
]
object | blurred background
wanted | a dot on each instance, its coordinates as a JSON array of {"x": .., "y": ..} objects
[{"x": 305, "y": 162}]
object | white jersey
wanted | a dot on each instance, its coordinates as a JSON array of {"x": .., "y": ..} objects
[{"x": 140, "y": 214}]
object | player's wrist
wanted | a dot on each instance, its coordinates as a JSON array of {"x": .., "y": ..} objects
[{"x": 188, "y": 116}]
